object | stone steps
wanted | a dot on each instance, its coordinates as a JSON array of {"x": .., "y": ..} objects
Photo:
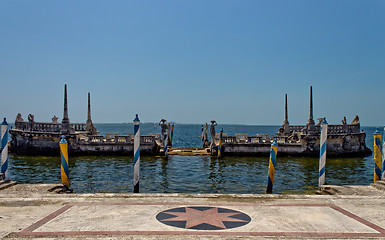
[
  {"x": 58, "y": 189},
  {"x": 6, "y": 184},
  {"x": 327, "y": 190},
  {"x": 380, "y": 185}
]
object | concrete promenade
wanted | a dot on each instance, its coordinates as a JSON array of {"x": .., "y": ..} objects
[{"x": 32, "y": 212}]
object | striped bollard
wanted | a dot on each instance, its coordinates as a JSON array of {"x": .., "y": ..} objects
[
  {"x": 383, "y": 158},
  {"x": 64, "y": 164},
  {"x": 377, "y": 155},
  {"x": 4, "y": 149},
  {"x": 172, "y": 133},
  {"x": 202, "y": 136},
  {"x": 220, "y": 143},
  {"x": 322, "y": 153},
  {"x": 165, "y": 142},
  {"x": 136, "y": 153},
  {"x": 272, "y": 163},
  {"x": 168, "y": 133}
]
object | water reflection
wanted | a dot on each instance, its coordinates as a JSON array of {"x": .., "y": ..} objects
[{"x": 191, "y": 174}]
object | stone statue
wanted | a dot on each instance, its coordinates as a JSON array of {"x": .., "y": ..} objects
[
  {"x": 19, "y": 118},
  {"x": 344, "y": 121},
  {"x": 54, "y": 120},
  {"x": 356, "y": 120},
  {"x": 212, "y": 130},
  {"x": 319, "y": 121},
  {"x": 205, "y": 136},
  {"x": 31, "y": 118},
  {"x": 164, "y": 127}
]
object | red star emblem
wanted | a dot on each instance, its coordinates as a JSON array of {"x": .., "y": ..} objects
[{"x": 196, "y": 216}]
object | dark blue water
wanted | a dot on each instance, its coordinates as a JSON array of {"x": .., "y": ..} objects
[{"x": 193, "y": 174}]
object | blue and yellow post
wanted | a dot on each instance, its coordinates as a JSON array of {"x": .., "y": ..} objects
[
  {"x": 377, "y": 155},
  {"x": 64, "y": 164},
  {"x": 272, "y": 163},
  {"x": 220, "y": 143},
  {"x": 383, "y": 157}
]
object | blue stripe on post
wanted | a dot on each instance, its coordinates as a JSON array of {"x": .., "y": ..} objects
[
  {"x": 273, "y": 156},
  {"x": 136, "y": 128},
  {"x": 4, "y": 140},
  {"x": 4, "y": 167},
  {"x": 4, "y": 149},
  {"x": 269, "y": 184},
  {"x": 322, "y": 171},
  {"x": 136, "y": 155},
  {"x": 323, "y": 149},
  {"x": 65, "y": 165}
]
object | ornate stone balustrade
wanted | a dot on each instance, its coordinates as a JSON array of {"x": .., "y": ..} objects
[
  {"x": 38, "y": 126},
  {"x": 78, "y": 127},
  {"x": 296, "y": 128},
  {"x": 254, "y": 139},
  {"x": 147, "y": 139},
  {"x": 241, "y": 137},
  {"x": 120, "y": 139},
  {"x": 156, "y": 136},
  {"x": 342, "y": 129},
  {"x": 229, "y": 139}
]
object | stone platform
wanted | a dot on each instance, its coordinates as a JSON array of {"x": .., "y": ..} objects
[
  {"x": 31, "y": 211},
  {"x": 190, "y": 151}
]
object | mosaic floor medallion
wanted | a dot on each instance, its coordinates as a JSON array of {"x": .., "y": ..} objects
[{"x": 203, "y": 218}]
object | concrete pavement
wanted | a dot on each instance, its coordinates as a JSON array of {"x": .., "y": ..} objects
[{"x": 30, "y": 211}]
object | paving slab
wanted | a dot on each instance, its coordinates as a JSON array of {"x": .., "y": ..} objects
[{"x": 45, "y": 215}]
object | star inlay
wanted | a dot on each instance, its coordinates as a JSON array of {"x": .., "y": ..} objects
[{"x": 203, "y": 218}]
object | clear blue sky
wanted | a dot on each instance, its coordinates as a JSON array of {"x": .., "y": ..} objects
[{"x": 193, "y": 61}]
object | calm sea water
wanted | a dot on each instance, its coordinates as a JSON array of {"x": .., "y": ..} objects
[{"x": 193, "y": 174}]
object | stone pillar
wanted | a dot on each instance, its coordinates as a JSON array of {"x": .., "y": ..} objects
[
  {"x": 310, "y": 123},
  {"x": 286, "y": 126},
  {"x": 89, "y": 125},
  {"x": 65, "y": 120}
]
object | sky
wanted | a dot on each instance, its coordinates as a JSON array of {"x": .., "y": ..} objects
[{"x": 192, "y": 61}]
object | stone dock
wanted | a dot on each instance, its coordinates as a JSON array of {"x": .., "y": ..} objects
[{"x": 36, "y": 211}]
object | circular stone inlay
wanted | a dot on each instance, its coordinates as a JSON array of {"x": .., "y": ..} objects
[{"x": 203, "y": 218}]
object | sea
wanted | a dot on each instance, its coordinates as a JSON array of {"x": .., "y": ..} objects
[{"x": 193, "y": 174}]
